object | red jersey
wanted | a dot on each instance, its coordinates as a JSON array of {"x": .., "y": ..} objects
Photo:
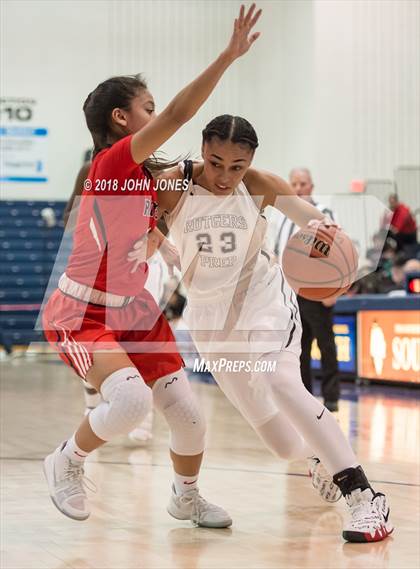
[
  {"x": 117, "y": 208},
  {"x": 402, "y": 219}
]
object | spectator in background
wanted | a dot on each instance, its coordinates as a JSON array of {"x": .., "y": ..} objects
[
  {"x": 400, "y": 269},
  {"x": 388, "y": 278},
  {"x": 378, "y": 279},
  {"x": 402, "y": 225},
  {"x": 383, "y": 250},
  {"x": 397, "y": 272},
  {"x": 317, "y": 317}
]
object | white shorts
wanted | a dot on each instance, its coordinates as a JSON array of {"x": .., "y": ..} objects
[
  {"x": 264, "y": 320},
  {"x": 268, "y": 321}
]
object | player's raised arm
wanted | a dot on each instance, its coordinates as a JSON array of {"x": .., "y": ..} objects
[
  {"x": 188, "y": 101},
  {"x": 277, "y": 193}
]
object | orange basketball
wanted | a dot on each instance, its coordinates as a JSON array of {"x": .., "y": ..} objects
[{"x": 320, "y": 262}]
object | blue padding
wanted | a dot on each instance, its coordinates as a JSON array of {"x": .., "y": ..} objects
[
  {"x": 8, "y": 204},
  {"x": 20, "y": 337},
  {"x": 26, "y": 214},
  {"x": 376, "y": 302},
  {"x": 28, "y": 256},
  {"x": 31, "y": 232},
  {"x": 30, "y": 295},
  {"x": 19, "y": 322},
  {"x": 18, "y": 313},
  {"x": 25, "y": 281},
  {"x": 16, "y": 245},
  {"x": 23, "y": 222},
  {"x": 30, "y": 268}
]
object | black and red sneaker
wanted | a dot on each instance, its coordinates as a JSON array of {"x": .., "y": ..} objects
[
  {"x": 369, "y": 517},
  {"x": 369, "y": 511}
]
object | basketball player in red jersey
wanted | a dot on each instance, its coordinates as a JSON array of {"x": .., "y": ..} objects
[
  {"x": 100, "y": 316},
  {"x": 142, "y": 433}
]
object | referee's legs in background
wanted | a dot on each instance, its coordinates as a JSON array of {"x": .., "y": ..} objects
[{"x": 317, "y": 322}]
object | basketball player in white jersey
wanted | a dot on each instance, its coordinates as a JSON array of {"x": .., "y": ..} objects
[{"x": 240, "y": 308}]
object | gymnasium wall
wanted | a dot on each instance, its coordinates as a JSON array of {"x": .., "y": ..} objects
[
  {"x": 331, "y": 84},
  {"x": 367, "y": 89}
]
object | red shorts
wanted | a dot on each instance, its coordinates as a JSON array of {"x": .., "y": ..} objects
[{"x": 77, "y": 329}]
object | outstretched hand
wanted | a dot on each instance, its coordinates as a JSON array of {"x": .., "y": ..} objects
[
  {"x": 242, "y": 39},
  {"x": 147, "y": 246}
]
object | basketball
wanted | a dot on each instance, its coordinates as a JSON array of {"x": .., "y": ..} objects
[{"x": 320, "y": 262}]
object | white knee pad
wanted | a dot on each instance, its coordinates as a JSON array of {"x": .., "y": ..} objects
[
  {"x": 127, "y": 400},
  {"x": 92, "y": 397},
  {"x": 175, "y": 399}
]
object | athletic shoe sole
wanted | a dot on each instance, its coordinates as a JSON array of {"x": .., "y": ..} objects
[
  {"x": 215, "y": 525},
  {"x": 366, "y": 537}
]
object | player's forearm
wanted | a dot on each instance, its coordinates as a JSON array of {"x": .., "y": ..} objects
[
  {"x": 278, "y": 194},
  {"x": 188, "y": 101},
  {"x": 157, "y": 235},
  {"x": 298, "y": 210}
]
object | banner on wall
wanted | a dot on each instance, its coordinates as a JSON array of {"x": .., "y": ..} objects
[
  {"x": 23, "y": 144},
  {"x": 345, "y": 341},
  {"x": 389, "y": 345}
]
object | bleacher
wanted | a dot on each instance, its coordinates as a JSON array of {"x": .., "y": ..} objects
[{"x": 28, "y": 250}]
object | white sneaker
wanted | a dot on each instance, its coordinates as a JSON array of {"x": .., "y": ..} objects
[
  {"x": 369, "y": 519},
  {"x": 192, "y": 506},
  {"x": 322, "y": 481},
  {"x": 65, "y": 480}
]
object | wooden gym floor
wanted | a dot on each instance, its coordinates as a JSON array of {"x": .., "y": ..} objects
[{"x": 279, "y": 521}]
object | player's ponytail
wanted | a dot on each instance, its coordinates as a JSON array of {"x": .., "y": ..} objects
[
  {"x": 116, "y": 92},
  {"x": 236, "y": 129}
]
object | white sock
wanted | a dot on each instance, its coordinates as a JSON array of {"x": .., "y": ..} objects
[
  {"x": 184, "y": 483},
  {"x": 73, "y": 452}
]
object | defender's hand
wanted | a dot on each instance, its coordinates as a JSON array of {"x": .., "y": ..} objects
[
  {"x": 242, "y": 39},
  {"x": 170, "y": 255}
]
